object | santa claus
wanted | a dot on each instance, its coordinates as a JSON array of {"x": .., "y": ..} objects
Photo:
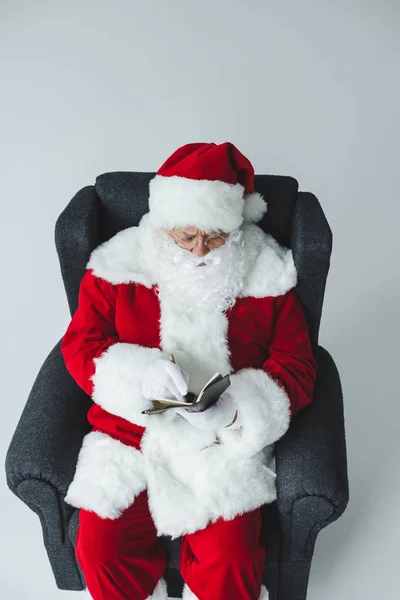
[{"x": 197, "y": 278}]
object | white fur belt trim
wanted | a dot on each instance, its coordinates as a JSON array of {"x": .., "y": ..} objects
[{"x": 108, "y": 477}]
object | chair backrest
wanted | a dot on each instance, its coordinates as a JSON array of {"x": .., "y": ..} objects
[{"x": 120, "y": 199}]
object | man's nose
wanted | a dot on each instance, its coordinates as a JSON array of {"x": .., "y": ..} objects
[{"x": 201, "y": 249}]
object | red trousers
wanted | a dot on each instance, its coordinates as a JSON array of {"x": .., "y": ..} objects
[{"x": 123, "y": 559}]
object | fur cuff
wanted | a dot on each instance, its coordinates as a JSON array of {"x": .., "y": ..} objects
[
  {"x": 108, "y": 476},
  {"x": 264, "y": 410},
  {"x": 118, "y": 378}
]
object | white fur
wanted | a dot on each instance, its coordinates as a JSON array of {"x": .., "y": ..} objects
[
  {"x": 192, "y": 480},
  {"x": 264, "y": 408},
  {"x": 130, "y": 257},
  {"x": 255, "y": 208},
  {"x": 179, "y": 201},
  {"x": 187, "y": 593},
  {"x": 184, "y": 463},
  {"x": 108, "y": 476},
  {"x": 203, "y": 340},
  {"x": 270, "y": 266},
  {"x": 118, "y": 377},
  {"x": 160, "y": 591}
]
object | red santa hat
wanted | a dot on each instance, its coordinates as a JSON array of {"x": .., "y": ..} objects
[{"x": 210, "y": 186}]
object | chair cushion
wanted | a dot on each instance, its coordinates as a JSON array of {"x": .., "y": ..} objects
[{"x": 124, "y": 199}]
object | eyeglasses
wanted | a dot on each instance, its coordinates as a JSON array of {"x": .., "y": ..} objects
[{"x": 213, "y": 240}]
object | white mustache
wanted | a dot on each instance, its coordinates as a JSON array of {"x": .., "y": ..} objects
[{"x": 212, "y": 258}]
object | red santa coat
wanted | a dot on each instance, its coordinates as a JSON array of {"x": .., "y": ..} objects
[{"x": 192, "y": 476}]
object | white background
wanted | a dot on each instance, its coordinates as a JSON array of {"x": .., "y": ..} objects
[{"x": 308, "y": 89}]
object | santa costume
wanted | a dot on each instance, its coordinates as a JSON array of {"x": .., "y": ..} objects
[{"x": 142, "y": 298}]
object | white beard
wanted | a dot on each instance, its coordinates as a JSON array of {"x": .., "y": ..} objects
[{"x": 188, "y": 287}]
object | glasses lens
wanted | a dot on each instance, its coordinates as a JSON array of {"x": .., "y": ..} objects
[
  {"x": 186, "y": 242},
  {"x": 215, "y": 241}
]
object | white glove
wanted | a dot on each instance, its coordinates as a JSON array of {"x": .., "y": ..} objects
[
  {"x": 165, "y": 379},
  {"x": 221, "y": 414}
]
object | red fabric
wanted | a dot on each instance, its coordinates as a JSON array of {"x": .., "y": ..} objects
[
  {"x": 91, "y": 330},
  {"x": 267, "y": 333},
  {"x": 207, "y": 570},
  {"x": 215, "y": 162},
  {"x": 120, "y": 558},
  {"x": 272, "y": 334},
  {"x": 123, "y": 558},
  {"x": 116, "y": 427},
  {"x": 290, "y": 361}
]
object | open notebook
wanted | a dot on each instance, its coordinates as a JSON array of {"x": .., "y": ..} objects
[{"x": 208, "y": 396}]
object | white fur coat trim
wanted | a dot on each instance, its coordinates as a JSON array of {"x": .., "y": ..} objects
[
  {"x": 187, "y": 593},
  {"x": 118, "y": 377},
  {"x": 129, "y": 257},
  {"x": 192, "y": 480},
  {"x": 108, "y": 476},
  {"x": 264, "y": 409}
]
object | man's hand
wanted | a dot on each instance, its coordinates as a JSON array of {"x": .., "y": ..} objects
[
  {"x": 165, "y": 379},
  {"x": 221, "y": 414}
]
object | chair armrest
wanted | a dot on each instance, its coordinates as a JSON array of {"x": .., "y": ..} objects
[
  {"x": 42, "y": 456},
  {"x": 311, "y": 244},
  {"x": 311, "y": 464},
  {"x": 49, "y": 434},
  {"x": 77, "y": 233}
]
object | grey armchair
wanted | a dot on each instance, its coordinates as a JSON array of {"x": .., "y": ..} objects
[{"x": 312, "y": 483}]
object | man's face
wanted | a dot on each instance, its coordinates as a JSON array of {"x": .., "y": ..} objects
[
  {"x": 196, "y": 241},
  {"x": 188, "y": 288}
]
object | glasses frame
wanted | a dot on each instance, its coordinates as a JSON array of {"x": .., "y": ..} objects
[{"x": 197, "y": 240}]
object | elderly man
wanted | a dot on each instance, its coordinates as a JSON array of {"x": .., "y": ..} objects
[{"x": 197, "y": 278}]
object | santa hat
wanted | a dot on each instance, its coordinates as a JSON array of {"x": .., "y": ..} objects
[{"x": 210, "y": 186}]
